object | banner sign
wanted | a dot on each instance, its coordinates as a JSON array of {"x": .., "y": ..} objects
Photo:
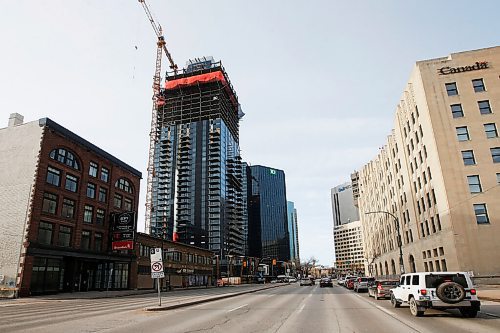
[{"x": 123, "y": 227}]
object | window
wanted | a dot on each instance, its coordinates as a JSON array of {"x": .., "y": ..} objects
[
  {"x": 123, "y": 185},
  {"x": 478, "y": 85},
  {"x": 127, "y": 204},
  {"x": 462, "y": 133},
  {"x": 68, "y": 208},
  {"x": 468, "y": 157},
  {"x": 451, "y": 89},
  {"x": 93, "y": 169},
  {"x": 49, "y": 204},
  {"x": 498, "y": 178},
  {"x": 117, "y": 201},
  {"x": 99, "y": 216},
  {"x": 103, "y": 194},
  {"x": 45, "y": 233},
  {"x": 495, "y": 154},
  {"x": 491, "y": 130},
  {"x": 481, "y": 213},
  {"x": 85, "y": 243},
  {"x": 98, "y": 241},
  {"x": 90, "y": 190},
  {"x": 456, "y": 111},
  {"x": 484, "y": 107},
  {"x": 65, "y": 156},
  {"x": 474, "y": 184},
  {"x": 71, "y": 183},
  {"x": 88, "y": 213},
  {"x": 414, "y": 280},
  {"x": 104, "y": 174},
  {"x": 64, "y": 237},
  {"x": 53, "y": 176}
]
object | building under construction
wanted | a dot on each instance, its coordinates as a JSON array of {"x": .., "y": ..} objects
[{"x": 198, "y": 193}]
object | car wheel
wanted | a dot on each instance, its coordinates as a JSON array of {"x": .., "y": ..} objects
[
  {"x": 450, "y": 292},
  {"x": 414, "y": 308},
  {"x": 394, "y": 302},
  {"x": 468, "y": 312}
]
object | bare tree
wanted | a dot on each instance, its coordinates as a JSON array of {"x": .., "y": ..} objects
[{"x": 307, "y": 265}]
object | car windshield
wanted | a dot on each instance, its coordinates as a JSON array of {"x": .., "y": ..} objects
[
  {"x": 434, "y": 280},
  {"x": 389, "y": 283}
]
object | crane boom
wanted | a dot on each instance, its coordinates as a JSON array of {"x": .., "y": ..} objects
[{"x": 159, "y": 34}]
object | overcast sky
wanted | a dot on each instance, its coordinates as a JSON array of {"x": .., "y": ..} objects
[{"x": 318, "y": 80}]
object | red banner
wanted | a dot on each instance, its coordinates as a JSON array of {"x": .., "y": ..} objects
[{"x": 123, "y": 245}]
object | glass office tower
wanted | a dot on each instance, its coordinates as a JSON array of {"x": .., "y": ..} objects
[
  {"x": 267, "y": 214},
  {"x": 293, "y": 232},
  {"x": 198, "y": 193}
]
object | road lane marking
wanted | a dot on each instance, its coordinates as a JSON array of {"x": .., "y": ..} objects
[{"x": 239, "y": 307}]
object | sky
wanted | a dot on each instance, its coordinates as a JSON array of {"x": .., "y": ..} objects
[{"x": 318, "y": 80}]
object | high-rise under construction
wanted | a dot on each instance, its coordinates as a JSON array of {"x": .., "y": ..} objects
[{"x": 198, "y": 193}]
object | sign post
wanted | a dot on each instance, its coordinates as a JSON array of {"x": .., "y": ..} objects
[{"x": 157, "y": 268}]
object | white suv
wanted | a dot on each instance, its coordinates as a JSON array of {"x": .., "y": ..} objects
[{"x": 441, "y": 290}]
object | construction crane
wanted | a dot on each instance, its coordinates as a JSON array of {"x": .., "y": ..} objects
[{"x": 157, "y": 102}]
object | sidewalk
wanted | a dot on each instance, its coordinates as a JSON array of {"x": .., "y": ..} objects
[
  {"x": 489, "y": 292},
  {"x": 123, "y": 293}
]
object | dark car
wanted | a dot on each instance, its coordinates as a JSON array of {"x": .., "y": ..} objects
[
  {"x": 382, "y": 288},
  {"x": 325, "y": 282}
]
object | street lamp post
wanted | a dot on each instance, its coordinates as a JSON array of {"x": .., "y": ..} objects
[{"x": 401, "y": 263}]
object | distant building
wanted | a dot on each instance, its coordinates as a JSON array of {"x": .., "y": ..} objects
[
  {"x": 293, "y": 232},
  {"x": 349, "y": 251},
  {"x": 355, "y": 187},
  {"x": 268, "y": 232},
  {"x": 439, "y": 171},
  {"x": 57, "y": 195},
  {"x": 343, "y": 207}
]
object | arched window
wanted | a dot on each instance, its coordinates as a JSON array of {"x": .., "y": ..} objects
[
  {"x": 124, "y": 185},
  {"x": 386, "y": 268},
  {"x": 65, "y": 156},
  {"x": 413, "y": 269},
  {"x": 376, "y": 270},
  {"x": 393, "y": 266},
  {"x": 381, "y": 271}
]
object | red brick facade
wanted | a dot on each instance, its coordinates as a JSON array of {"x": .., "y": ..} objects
[{"x": 80, "y": 265}]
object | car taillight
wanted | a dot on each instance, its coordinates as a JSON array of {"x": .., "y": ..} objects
[
  {"x": 473, "y": 291},
  {"x": 423, "y": 292},
  {"x": 379, "y": 287}
]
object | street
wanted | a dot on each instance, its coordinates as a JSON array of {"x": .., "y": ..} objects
[{"x": 287, "y": 308}]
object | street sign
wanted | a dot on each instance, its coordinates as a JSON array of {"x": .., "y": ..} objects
[
  {"x": 156, "y": 264},
  {"x": 123, "y": 245},
  {"x": 155, "y": 254}
]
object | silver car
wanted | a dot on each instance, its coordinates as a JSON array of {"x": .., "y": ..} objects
[{"x": 361, "y": 283}]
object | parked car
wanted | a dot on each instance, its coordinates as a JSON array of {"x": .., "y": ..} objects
[
  {"x": 292, "y": 279},
  {"x": 325, "y": 282},
  {"x": 441, "y": 290},
  {"x": 306, "y": 282},
  {"x": 349, "y": 284},
  {"x": 382, "y": 288},
  {"x": 341, "y": 281},
  {"x": 361, "y": 283}
]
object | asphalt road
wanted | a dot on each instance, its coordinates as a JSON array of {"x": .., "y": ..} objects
[{"x": 289, "y": 308}]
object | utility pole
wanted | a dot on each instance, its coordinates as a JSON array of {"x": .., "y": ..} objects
[{"x": 400, "y": 245}]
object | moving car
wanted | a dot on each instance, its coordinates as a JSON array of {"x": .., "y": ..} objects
[
  {"x": 325, "y": 282},
  {"x": 361, "y": 283},
  {"x": 382, "y": 288},
  {"x": 438, "y": 290},
  {"x": 306, "y": 282}
]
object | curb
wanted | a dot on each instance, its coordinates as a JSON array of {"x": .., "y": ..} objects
[
  {"x": 485, "y": 298},
  {"x": 206, "y": 300}
]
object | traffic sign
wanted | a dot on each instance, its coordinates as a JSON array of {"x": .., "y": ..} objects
[{"x": 155, "y": 254}]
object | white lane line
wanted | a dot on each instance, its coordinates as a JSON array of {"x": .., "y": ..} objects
[
  {"x": 302, "y": 307},
  {"x": 239, "y": 307}
]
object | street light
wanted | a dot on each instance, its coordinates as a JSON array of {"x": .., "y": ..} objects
[{"x": 401, "y": 263}]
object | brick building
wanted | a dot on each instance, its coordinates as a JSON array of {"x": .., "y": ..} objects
[
  {"x": 184, "y": 265},
  {"x": 57, "y": 193}
]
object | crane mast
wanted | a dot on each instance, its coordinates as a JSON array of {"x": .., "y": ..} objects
[{"x": 153, "y": 135}]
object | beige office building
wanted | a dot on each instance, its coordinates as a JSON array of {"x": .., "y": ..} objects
[
  {"x": 349, "y": 254},
  {"x": 439, "y": 171}
]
